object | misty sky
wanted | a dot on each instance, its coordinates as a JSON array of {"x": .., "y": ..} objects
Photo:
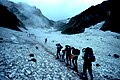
[{"x": 61, "y": 9}]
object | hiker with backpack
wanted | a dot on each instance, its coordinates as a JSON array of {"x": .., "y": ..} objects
[
  {"x": 88, "y": 59},
  {"x": 45, "y": 40},
  {"x": 68, "y": 52},
  {"x": 75, "y": 53},
  {"x": 59, "y": 47}
]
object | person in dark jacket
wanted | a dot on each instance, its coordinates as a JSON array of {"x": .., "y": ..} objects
[
  {"x": 75, "y": 53},
  {"x": 68, "y": 52},
  {"x": 87, "y": 65},
  {"x": 45, "y": 40},
  {"x": 59, "y": 47}
]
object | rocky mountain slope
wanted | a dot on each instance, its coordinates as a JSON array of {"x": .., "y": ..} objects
[
  {"x": 23, "y": 58},
  {"x": 90, "y": 16},
  {"x": 22, "y": 13},
  {"x": 8, "y": 19}
]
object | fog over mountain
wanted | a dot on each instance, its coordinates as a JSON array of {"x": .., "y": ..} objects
[{"x": 30, "y": 16}]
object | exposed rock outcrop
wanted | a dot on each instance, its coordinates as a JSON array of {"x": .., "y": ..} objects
[
  {"x": 8, "y": 19},
  {"x": 90, "y": 16}
]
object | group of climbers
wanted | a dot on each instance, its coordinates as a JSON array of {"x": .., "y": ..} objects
[{"x": 70, "y": 56}]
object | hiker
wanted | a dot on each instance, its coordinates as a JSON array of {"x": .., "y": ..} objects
[
  {"x": 59, "y": 47},
  {"x": 75, "y": 53},
  {"x": 87, "y": 65},
  {"x": 63, "y": 54},
  {"x": 45, "y": 40},
  {"x": 68, "y": 52}
]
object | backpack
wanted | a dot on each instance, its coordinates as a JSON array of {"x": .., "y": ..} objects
[
  {"x": 90, "y": 54},
  {"x": 77, "y": 51},
  {"x": 92, "y": 58},
  {"x": 59, "y": 47}
]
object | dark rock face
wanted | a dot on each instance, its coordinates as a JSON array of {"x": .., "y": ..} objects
[
  {"x": 107, "y": 25},
  {"x": 91, "y": 16},
  {"x": 112, "y": 22},
  {"x": 8, "y": 19}
]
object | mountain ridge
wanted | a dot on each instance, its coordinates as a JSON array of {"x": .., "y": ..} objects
[
  {"x": 29, "y": 16},
  {"x": 9, "y": 20},
  {"x": 90, "y": 16}
]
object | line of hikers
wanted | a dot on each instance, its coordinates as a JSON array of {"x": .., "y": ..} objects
[{"x": 72, "y": 54}]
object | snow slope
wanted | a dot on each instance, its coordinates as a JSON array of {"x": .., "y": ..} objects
[
  {"x": 104, "y": 44},
  {"x": 15, "y": 61},
  {"x": 17, "y": 46}
]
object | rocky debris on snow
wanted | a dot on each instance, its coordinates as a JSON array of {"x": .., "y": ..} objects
[
  {"x": 31, "y": 55},
  {"x": 20, "y": 47},
  {"x": 108, "y": 77},
  {"x": 33, "y": 59},
  {"x": 97, "y": 65},
  {"x": 36, "y": 47},
  {"x": 47, "y": 67},
  {"x": 14, "y": 64},
  {"x": 109, "y": 55},
  {"x": 53, "y": 41},
  {"x": 1, "y": 38},
  {"x": 116, "y": 55},
  {"x": 117, "y": 37},
  {"x": 100, "y": 38}
]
